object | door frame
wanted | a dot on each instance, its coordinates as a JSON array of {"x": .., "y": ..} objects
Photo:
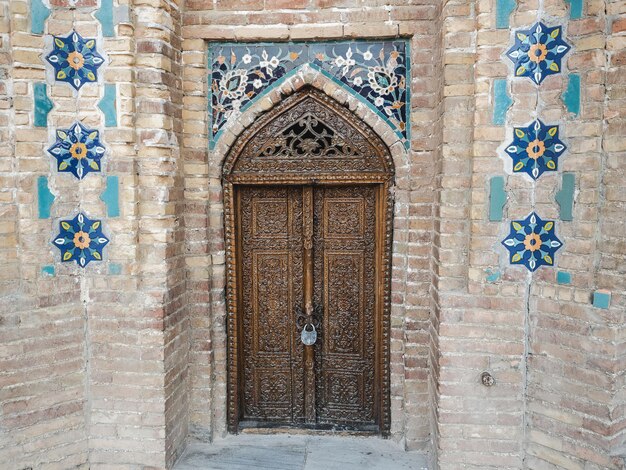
[{"x": 383, "y": 179}]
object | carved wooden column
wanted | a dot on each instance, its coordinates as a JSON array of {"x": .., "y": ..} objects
[{"x": 309, "y": 351}]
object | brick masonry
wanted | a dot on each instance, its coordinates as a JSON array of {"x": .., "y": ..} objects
[{"x": 118, "y": 364}]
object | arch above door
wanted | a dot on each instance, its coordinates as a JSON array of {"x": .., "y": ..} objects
[
  {"x": 309, "y": 141},
  {"x": 308, "y": 136}
]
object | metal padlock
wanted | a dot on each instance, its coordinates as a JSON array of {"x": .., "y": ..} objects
[{"x": 308, "y": 337}]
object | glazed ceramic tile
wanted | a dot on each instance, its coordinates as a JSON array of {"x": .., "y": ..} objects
[
  {"x": 78, "y": 150},
  {"x": 75, "y": 60},
  {"x": 532, "y": 242},
  {"x": 80, "y": 239}
]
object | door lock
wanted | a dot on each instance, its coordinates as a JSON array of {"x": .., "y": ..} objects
[{"x": 308, "y": 337}]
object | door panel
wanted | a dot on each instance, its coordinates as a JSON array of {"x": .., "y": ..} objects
[
  {"x": 273, "y": 232},
  {"x": 345, "y": 285},
  {"x": 271, "y": 271}
]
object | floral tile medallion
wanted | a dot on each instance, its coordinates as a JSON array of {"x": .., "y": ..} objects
[
  {"x": 80, "y": 239},
  {"x": 535, "y": 149},
  {"x": 532, "y": 242},
  {"x": 78, "y": 150},
  {"x": 75, "y": 60},
  {"x": 376, "y": 72},
  {"x": 538, "y": 52}
]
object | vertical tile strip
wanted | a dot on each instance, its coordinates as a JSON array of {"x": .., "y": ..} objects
[
  {"x": 571, "y": 96},
  {"x": 504, "y": 8},
  {"x": 501, "y": 101},
  {"x": 565, "y": 197},
  {"x": 44, "y": 198},
  {"x": 108, "y": 105},
  {"x": 105, "y": 16},
  {"x": 39, "y": 13},
  {"x": 110, "y": 196},
  {"x": 43, "y": 105},
  {"x": 497, "y": 198},
  {"x": 575, "y": 9}
]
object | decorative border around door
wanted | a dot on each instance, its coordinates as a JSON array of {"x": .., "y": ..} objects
[{"x": 346, "y": 152}]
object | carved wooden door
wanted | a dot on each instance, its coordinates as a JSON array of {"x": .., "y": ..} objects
[{"x": 308, "y": 259}]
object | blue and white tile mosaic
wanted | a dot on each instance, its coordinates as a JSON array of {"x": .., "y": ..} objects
[
  {"x": 376, "y": 72},
  {"x": 535, "y": 149},
  {"x": 75, "y": 60},
  {"x": 78, "y": 150},
  {"x": 80, "y": 239},
  {"x": 538, "y": 52},
  {"x": 532, "y": 242}
]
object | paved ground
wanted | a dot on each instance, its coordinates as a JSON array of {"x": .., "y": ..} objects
[{"x": 299, "y": 452}]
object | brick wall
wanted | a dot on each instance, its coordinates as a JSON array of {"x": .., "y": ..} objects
[
  {"x": 118, "y": 364},
  {"x": 42, "y": 395},
  {"x": 259, "y": 21}
]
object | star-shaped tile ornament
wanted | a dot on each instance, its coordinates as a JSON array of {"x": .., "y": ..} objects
[
  {"x": 532, "y": 242},
  {"x": 78, "y": 150},
  {"x": 80, "y": 239},
  {"x": 538, "y": 52},
  {"x": 535, "y": 149},
  {"x": 75, "y": 59}
]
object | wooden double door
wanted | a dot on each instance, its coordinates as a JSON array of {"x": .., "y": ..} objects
[{"x": 309, "y": 258}]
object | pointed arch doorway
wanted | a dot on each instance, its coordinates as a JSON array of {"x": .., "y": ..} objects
[{"x": 308, "y": 222}]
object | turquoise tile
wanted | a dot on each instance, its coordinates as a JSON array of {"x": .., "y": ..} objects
[
  {"x": 497, "y": 198},
  {"x": 493, "y": 275},
  {"x": 575, "y": 9},
  {"x": 565, "y": 197},
  {"x": 563, "y": 277},
  {"x": 43, "y": 105},
  {"x": 501, "y": 101},
  {"x": 571, "y": 96},
  {"x": 48, "y": 270},
  {"x": 108, "y": 105},
  {"x": 503, "y": 12},
  {"x": 39, "y": 13},
  {"x": 105, "y": 16},
  {"x": 110, "y": 196},
  {"x": 115, "y": 269},
  {"x": 602, "y": 299},
  {"x": 44, "y": 198}
]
